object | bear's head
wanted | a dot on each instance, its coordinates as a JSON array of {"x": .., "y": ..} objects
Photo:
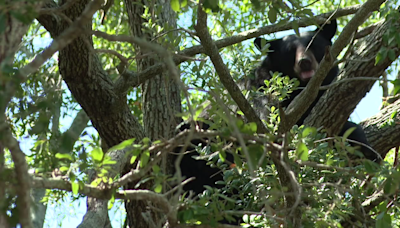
[{"x": 297, "y": 56}]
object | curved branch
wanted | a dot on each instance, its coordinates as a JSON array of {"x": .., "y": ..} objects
[
  {"x": 136, "y": 79},
  {"x": 383, "y": 129},
  {"x": 334, "y": 108},
  {"x": 300, "y": 104}
]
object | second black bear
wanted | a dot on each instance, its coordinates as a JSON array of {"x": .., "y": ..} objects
[{"x": 299, "y": 57}]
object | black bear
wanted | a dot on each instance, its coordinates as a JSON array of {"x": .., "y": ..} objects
[
  {"x": 299, "y": 57},
  {"x": 198, "y": 168},
  {"x": 295, "y": 56}
]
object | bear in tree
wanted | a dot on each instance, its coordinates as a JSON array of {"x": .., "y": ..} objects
[
  {"x": 294, "y": 56},
  {"x": 299, "y": 57}
]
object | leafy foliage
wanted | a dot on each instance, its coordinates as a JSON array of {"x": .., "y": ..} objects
[{"x": 335, "y": 180}]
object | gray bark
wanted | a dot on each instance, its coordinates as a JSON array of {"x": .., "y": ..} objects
[
  {"x": 334, "y": 108},
  {"x": 161, "y": 101}
]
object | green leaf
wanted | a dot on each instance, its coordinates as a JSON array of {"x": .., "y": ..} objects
[
  {"x": 396, "y": 86},
  {"x": 123, "y": 145},
  {"x": 64, "y": 156},
  {"x": 307, "y": 12},
  {"x": 381, "y": 56},
  {"x": 146, "y": 141},
  {"x": 348, "y": 132},
  {"x": 257, "y": 152},
  {"x": 158, "y": 188},
  {"x": 144, "y": 158},
  {"x": 183, "y": 3},
  {"x": 393, "y": 115},
  {"x": 175, "y": 5},
  {"x": 75, "y": 187},
  {"x": 111, "y": 201},
  {"x": 309, "y": 130},
  {"x": 249, "y": 128},
  {"x": 222, "y": 155},
  {"x": 107, "y": 161},
  {"x": 156, "y": 169},
  {"x": 97, "y": 154},
  {"x": 295, "y": 27},
  {"x": 64, "y": 169},
  {"x": 302, "y": 151},
  {"x": 383, "y": 220},
  {"x": 370, "y": 166},
  {"x": 211, "y": 4},
  {"x": 391, "y": 55},
  {"x": 256, "y": 4},
  {"x": 199, "y": 111},
  {"x": 136, "y": 153},
  {"x": 272, "y": 14},
  {"x": 390, "y": 186}
]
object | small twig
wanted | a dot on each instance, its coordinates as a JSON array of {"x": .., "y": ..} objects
[
  {"x": 348, "y": 51},
  {"x": 113, "y": 52},
  {"x": 21, "y": 170},
  {"x": 123, "y": 85},
  {"x": 292, "y": 178}
]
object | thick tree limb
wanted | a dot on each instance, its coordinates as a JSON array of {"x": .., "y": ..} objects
[
  {"x": 334, "y": 108},
  {"x": 135, "y": 79},
  {"x": 223, "y": 72},
  {"x": 82, "y": 71},
  {"x": 70, "y": 136},
  {"x": 63, "y": 40},
  {"x": 383, "y": 129},
  {"x": 300, "y": 104},
  {"x": 21, "y": 171}
]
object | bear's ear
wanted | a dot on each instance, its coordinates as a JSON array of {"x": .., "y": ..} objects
[
  {"x": 261, "y": 42},
  {"x": 328, "y": 30}
]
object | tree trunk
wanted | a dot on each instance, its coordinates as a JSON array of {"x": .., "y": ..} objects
[
  {"x": 335, "y": 107},
  {"x": 161, "y": 99},
  {"x": 89, "y": 84}
]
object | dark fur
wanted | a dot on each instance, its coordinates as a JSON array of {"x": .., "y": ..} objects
[
  {"x": 289, "y": 57},
  {"x": 295, "y": 57}
]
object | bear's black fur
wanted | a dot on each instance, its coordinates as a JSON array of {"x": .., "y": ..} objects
[
  {"x": 198, "y": 168},
  {"x": 299, "y": 57},
  {"x": 291, "y": 56}
]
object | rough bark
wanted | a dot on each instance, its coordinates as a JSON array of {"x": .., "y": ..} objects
[
  {"x": 335, "y": 107},
  {"x": 161, "y": 101},
  {"x": 108, "y": 111},
  {"x": 383, "y": 129},
  {"x": 10, "y": 39},
  {"x": 82, "y": 71}
]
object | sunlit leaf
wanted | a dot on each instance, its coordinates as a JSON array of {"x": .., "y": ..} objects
[
  {"x": 97, "y": 154},
  {"x": 64, "y": 156},
  {"x": 75, "y": 187}
]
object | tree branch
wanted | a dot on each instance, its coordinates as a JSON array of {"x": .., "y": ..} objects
[
  {"x": 383, "y": 129},
  {"x": 60, "y": 42},
  {"x": 300, "y": 104},
  {"x": 136, "y": 79},
  {"x": 21, "y": 171},
  {"x": 334, "y": 108},
  {"x": 223, "y": 72}
]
